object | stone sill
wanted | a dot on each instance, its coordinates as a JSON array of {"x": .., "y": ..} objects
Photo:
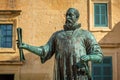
[
  {"x": 19, "y": 63},
  {"x": 110, "y": 45}
]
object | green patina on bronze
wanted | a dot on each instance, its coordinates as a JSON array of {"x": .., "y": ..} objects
[{"x": 73, "y": 47}]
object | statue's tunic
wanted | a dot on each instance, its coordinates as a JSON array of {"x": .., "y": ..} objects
[{"x": 68, "y": 47}]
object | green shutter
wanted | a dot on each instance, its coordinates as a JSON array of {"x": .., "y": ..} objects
[
  {"x": 100, "y": 15},
  {"x": 102, "y": 71}
]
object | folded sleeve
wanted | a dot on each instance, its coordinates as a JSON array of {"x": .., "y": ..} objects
[
  {"x": 48, "y": 49},
  {"x": 92, "y": 48}
]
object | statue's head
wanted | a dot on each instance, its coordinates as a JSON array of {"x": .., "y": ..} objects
[{"x": 72, "y": 16}]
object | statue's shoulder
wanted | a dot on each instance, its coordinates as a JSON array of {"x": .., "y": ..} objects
[
  {"x": 59, "y": 32},
  {"x": 84, "y": 31}
]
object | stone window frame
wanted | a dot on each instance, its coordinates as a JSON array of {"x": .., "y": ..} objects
[
  {"x": 13, "y": 22},
  {"x": 10, "y": 17},
  {"x": 91, "y": 16},
  {"x": 11, "y": 69},
  {"x": 114, "y": 62}
]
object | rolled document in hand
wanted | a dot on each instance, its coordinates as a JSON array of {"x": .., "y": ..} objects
[{"x": 19, "y": 34}]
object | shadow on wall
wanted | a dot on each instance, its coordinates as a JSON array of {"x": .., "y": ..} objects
[{"x": 112, "y": 37}]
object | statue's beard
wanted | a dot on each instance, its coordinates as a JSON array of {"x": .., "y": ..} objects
[{"x": 69, "y": 23}]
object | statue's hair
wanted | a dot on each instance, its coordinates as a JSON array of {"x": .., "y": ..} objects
[{"x": 76, "y": 12}]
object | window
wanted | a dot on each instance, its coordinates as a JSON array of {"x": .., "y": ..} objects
[
  {"x": 6, "y": 76},
  {"x": 102, "y": 71},
  {"x": 6, "y": 35},
  {"x": 10, "y": 72},
  {"x": 8, "y": 47},
  {"x": 100, "y": 15}
]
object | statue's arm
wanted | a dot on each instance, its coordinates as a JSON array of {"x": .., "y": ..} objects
[
  {"x": 94, "y": 52},
  {"x": 45, "y": 52},
  {"x": 96, "y": 57},
  {"x": 34, "y": 49}
]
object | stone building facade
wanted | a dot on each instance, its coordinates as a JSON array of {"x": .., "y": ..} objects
[{"x": 40, "y": 18}]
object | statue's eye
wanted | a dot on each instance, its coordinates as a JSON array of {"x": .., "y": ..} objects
[{"x": 71, "y": 14}]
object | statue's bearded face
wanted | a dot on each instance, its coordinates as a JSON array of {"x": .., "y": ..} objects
[{"x": 71, "y": 18}]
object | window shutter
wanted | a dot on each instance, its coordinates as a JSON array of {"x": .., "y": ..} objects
[
  {"x": 102, "y": 71},
  {"x": 100, "y": 14}
]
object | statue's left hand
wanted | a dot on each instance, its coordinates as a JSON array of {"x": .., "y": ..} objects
[{"x": 85, "y": 58}]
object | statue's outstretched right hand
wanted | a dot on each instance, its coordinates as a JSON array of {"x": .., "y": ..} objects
[{"x": 23, "y": 46}]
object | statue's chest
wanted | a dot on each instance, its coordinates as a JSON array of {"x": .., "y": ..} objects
[
  {"x": 69, "y": 39},
  {"x": 67, "y": 35}
]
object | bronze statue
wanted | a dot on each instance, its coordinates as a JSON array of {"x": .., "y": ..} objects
[{"x": 73, "y": 47}]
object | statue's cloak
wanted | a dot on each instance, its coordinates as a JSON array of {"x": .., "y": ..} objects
[{"x": 68, "y": 47}]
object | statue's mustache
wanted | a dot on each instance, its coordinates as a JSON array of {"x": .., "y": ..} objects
[{"x": 69, "y": 21}]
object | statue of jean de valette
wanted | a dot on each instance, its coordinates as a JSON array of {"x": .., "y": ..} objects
[{"x": 73, "y": 48}]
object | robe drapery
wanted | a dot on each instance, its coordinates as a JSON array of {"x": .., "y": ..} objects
[{"x": 68, "y": 47}]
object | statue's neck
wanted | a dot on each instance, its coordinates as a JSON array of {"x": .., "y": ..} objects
[{"x": 75, "y": 26}]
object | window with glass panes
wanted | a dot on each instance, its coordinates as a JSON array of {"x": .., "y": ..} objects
[
  {"x": 102, "y": 71},
  {"x": 100, "y": 15},
  {"x": 6, "y": 35}
]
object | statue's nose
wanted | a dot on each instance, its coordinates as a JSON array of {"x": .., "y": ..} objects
[{"x": 68, "y": 17}]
